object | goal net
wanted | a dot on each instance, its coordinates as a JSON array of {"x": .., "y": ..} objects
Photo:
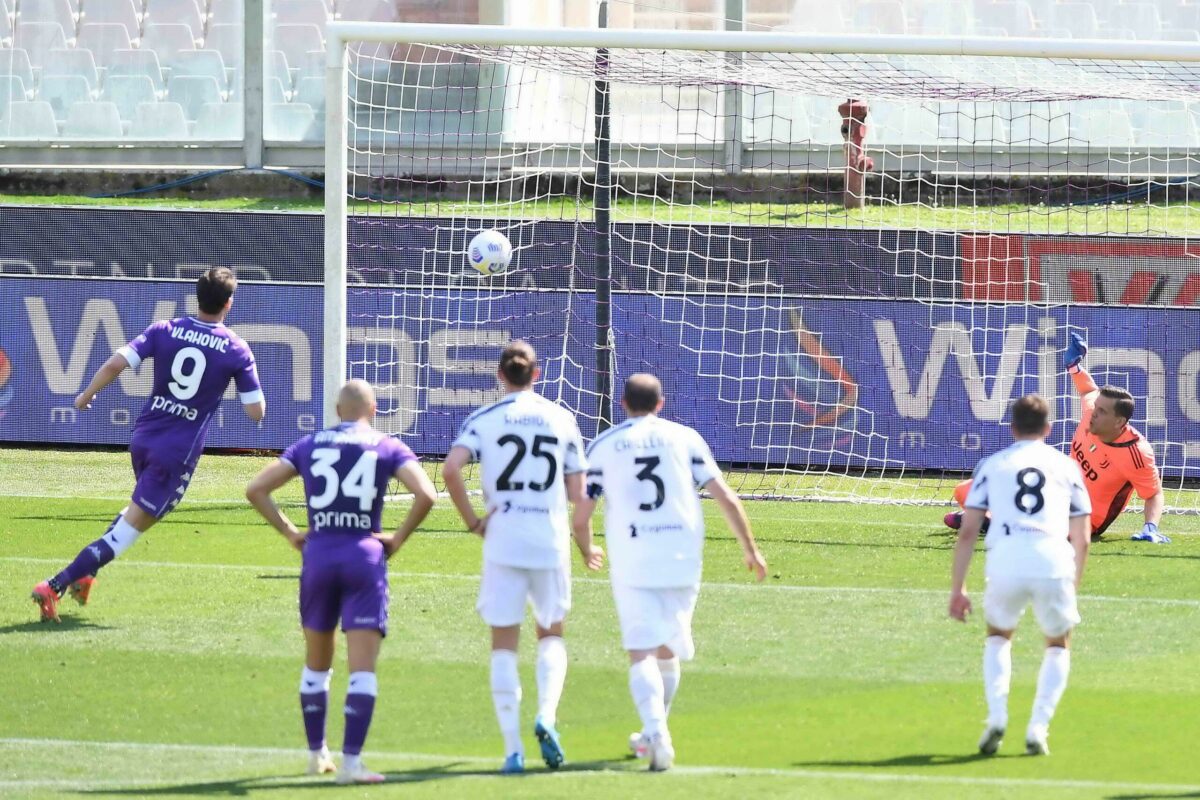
[{"x": 675, "y": 205}]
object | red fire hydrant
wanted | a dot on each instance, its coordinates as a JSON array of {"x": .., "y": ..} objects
[{"x": 858, "y": 164}]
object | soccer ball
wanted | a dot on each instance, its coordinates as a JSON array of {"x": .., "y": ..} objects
[{"x": 490, "y": 252}]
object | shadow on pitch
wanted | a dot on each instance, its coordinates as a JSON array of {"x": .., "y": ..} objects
[
  {"x": 441, "y": 772},
  {"x": 914, "y": 760},
  {"x": 69, "y": 623},
  {"x": 1155, "y": 796}
]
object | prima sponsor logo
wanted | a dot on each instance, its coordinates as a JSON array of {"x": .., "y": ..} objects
[
  {"x": 160, "y": 403},
  {"x": 341, "y": 519}
]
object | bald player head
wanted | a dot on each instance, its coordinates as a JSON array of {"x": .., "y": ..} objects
[
  {"x": 643, "y": 395},
  {"x": 356, "y": 401}
]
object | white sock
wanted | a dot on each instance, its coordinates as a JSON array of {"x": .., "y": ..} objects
[
  {"x": 121, "y": 537},
  {"x": 551, "y": 675},
  {"x": 646, "y": 688},
  {"x": 997, "y": 677},
  {"x": 669, "y": 667},
  {"x": 506, "y": 696},
  {"x": 1052, "y": 682}
]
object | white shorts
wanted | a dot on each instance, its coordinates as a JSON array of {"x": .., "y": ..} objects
[
  {"x": 651, "y": 618},
  {"x": 1053, "y": 600},
  {"x": 504, "y": 592}
]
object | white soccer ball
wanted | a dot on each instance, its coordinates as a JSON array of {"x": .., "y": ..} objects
[{"x": 490, "y": 252}]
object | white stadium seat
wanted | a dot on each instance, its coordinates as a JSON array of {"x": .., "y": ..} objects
[
  {"x": 64, "y": 91},
  {"x": 1141, "y": 18},
  {"x": 219, "y": 122},
  {"x": 126, "y": 13},
  {"x": 159, "y": 121},
  {"x": 28, "y": 119},
  {"x": 192, "y": 92},
  {"x": 38, "y": 39},
  {"x": 127, "y": 92},
  {"x": 228, "y": 41},
  {"x": 12, "y": 89},
  {"x": 1078, "y": 18},
  {"x": 16, "y": 62},
  {"x": 75, "y": 61},
  {"x": 290, "y": 122},
  {"x": 58, "y": 12},
  {"x": 93, "y": 121},
  {"x": 104, "y": 39},
  {"x": 137, "y": 62},
  {"x": 295, "y": 41},
  {"x": 201, "y": 62},
  {"x": 886, "y": 15},
  {"x": 367, "y": 10},
  {"x": 176, "y": 12},
  {"x": 167, "y": 39},
  {"x": 311, "y": 92},
  {"x": 310, "y": 12},
  {"x": 226, "y": 12},
  {"x": 1014, "y": 18}
]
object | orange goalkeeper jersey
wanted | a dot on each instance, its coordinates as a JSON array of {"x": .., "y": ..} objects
[{"x": 1111, "y": 470}]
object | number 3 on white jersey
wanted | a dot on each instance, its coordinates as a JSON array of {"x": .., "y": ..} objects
[{"x": 359, "y": 482}]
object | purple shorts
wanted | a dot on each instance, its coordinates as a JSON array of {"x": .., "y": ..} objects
[
  {"x": 161, "y": 482},
  {"x": 344, "y": 577}
]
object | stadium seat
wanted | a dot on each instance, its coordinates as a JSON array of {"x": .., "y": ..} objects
[
  {"x": 126, "y": 13},
  {"x": 1014, "y": 18},
  {"x": 273, "y": 92},
  {"x": 128, "y": 92},
  {"x": 6, "y": 29},
  {"x": 886, "y": 15},
  {"x": 313, "y": 64},
  {"x": 947, "y": 18},
  {"x": 73, "y": 61},
  {"x": 176, "y": 12},
  {"x": 16, "y": 62},
  {"x": 93, "y": 121},
  {"x": 1039, "y": 125},
  {"x": 1101, "y": 126},
  {"x": 1141, "y": 18},
  {"x": 192, "y": 92},
  {"x": 1162, "y": 125},
  {"x": 64, "y": 91},
  {"x": 1078, "y": 18},
  {"x": 28, "y": 119},
  {"x": 38, "y": 39},
  {"x": 911, "y": 124},
  {"x": 137, "y": 62},
  {"x": 294, "y": 41},
  {"x": 968, "y": 124},
  {"x": 365, "y": 10},
  {"x": 167, "y": 40},
  {"x": 159, "y": 121},
  {"x": 228, "y": 41},
  {"x": 201, "y": 62},
  {"x": 277, "y": 67},
  {"x": 219, "y": 122},
  {"x": 302, "y": 12},
  {"x": 290, "y": 122},
  {"x": 12, "y": 90},
  {"x": 104, "y": 39},
  {"x": 1180, "y": 19},
  {"x": 57, "y": 12},
  {"x": 311, "y": 92},
  {"x": 226, "y": 12}
]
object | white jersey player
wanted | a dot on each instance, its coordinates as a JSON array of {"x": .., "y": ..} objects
[
  {"x": 1036, "y": 548},
  {"x": 531, "y": 462},
  {"x": 649, "y": 470}
]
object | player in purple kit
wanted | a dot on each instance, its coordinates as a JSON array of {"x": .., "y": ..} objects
[
  {"x": 346, "y": 470},
  {"x": 194, "y": 360}
]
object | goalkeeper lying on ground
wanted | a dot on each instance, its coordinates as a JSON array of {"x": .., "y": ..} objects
[{"x": 1114, "y": 458}]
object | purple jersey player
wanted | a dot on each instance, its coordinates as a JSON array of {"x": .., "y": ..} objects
[
  {"x": 345, "y": 470},
  {"x": 194, "y": 360}
]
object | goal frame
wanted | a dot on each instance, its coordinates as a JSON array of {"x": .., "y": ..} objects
[{"x": 339, "y": 35}]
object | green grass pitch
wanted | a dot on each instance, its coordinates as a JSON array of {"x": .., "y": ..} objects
[{"x": 841, "y": 677}]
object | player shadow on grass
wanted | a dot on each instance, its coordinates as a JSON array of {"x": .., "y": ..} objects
[
  {"x": 241, "y": 787},
  {"x": 69, "y": 623},
  {"x": 914, "y": 760}
]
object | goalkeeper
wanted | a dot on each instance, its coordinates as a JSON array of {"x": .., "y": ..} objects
[{"x": 1114, "y": 458}]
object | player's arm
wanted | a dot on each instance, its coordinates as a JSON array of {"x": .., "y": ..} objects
[
  {"x": 735, "y": 516},
  {"x": 1079, "y": 534},
  {"x": 964, "y": 549},
  {"x": 250, "y": 392},
  {"x": 1076, "y": 349},
  {"x": 116, "y": 364},
  {"x": 1148, "y": 484},
  {"x": 412, "y": 476},
  {"x": 581, "y": 520},
  {"x": 274, "y": 476},
  {"x": 452, "y": 469}
]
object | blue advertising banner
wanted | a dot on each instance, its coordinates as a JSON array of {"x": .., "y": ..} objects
[{"x": 858, "y": 384}]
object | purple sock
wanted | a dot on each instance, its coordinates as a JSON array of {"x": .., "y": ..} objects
[
  {"x": 314, "y": 706},
  {"x": 89, "y": 560},
  {"x": 359, "y": 708}
]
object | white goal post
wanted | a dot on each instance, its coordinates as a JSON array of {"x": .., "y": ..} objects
[{"x": 1020, "y": 188}]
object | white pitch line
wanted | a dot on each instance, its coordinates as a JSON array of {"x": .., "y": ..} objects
[
  {"x": 748, "y": 586},
  {"x": 634, "y": 774}
]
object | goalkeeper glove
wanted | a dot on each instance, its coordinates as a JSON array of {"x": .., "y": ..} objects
[
  {"x": 1076, "y": 349},
  {"x": 1149, "y": 533}
]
